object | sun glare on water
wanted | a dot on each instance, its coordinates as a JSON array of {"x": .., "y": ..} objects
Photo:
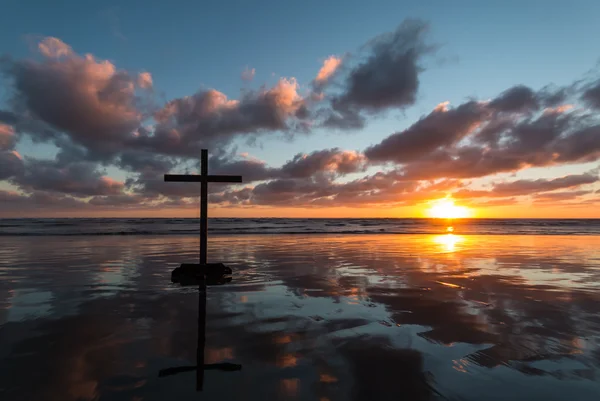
[{"x": 446, "y": 209}]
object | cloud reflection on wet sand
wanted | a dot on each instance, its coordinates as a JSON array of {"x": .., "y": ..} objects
[{"x": 308, "y": 317}]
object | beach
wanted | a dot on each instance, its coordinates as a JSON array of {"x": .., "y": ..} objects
[{"x": 308, "y": 316}]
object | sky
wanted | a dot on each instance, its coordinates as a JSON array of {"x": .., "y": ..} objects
[{"x": 327, "y": 109}]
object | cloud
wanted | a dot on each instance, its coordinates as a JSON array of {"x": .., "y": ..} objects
[
  {"x": 289, "y": 192},
  {"x": 140, "y": 162},
  {"x": 100, "y": 108},
  {"x": 54, "y": 48},
  {"x": 319, "y": 190},
  {"x": 248, "y": 74},
  {"x": 89, "y": 100},
  {"x": 7, "y": 137},
  {"x": 38, "y": 200},
  {"x": 526, "y": 187},
  {"x": 151, "y": 184},
  {"x": 330, "y": 66},
  {"x": 591, "y": 95},
  {"x": 443, "y": 127},
  {"x": 250, "y": 169},
  {"x": 99, "y": 116},
  {"x": 560, "y": 196},
  {"x": 11, "y": 164},
  {"x": 8, "y": 117},
  {"x": 333, "y": 160},
  {"x": 77, "y": 179},
  {"x": 483, "y": 138},
  {"x": 122, "y": 200},
  {"x": 516, "y": 99},
  {"x": 145, "y": 80},
  {"x": 210, "y": 119},
  {"x": 387, "y": 77}
]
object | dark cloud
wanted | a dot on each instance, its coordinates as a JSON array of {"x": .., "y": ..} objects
[
  {"x": 388, "y": 77},
  {"x": 551, "y": 96},
  {"x": 144, "y": 162},
  {"x": 152, "y": 184},
  {"x": 250, "y": 169},
  {"x": 290, "y": 192},
  {"x": 582, "y": 145},
  {"x": 335, "y": 161},
  {"x": 78, "y": 179},
  {"x": 591, "y": 95},
  {"x": 492, "y": 143},
  {"x": 11, "y": 164},
  {"x": 516, "y": 99},
  {"x": 526, "y": 187},
  {"x": 442, "y": 128},
  {"x": 8, "y": 117},
  {"x": 342, "y": 118}
]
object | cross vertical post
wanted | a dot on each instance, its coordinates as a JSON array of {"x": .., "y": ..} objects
[
  {"x": 203, "y": 268},
  {"x": 203, "y": 206}
]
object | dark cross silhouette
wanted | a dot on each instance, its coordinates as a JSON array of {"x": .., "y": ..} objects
[{"x": 204, "y": 178}]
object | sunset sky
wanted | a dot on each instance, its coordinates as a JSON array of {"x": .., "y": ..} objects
[{"x": 327, "y": 109}]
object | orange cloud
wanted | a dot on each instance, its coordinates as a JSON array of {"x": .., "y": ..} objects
[
  {"x": 145, "y": 80},
  {"x": 330, "y": 66},
  {"x": 7, "y": 136}
]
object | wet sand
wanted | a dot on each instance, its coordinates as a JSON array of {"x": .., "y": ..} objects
[{"x": 317, "y": 317}]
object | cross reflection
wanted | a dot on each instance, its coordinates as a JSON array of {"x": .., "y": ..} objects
[{"x": 200, "y": 366}]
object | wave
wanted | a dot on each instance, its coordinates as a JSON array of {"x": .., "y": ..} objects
[
  {"x": 340, "y": 232},
  {"x": 238, "y": 226}
]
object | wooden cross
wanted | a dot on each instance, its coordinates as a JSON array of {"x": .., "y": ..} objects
[{"x": 204, "y": 178}]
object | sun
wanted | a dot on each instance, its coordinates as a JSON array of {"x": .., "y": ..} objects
[{"x": 446, "y": 209}]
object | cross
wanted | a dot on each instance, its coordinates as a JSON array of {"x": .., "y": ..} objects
[{"x": 204, "y": 178}]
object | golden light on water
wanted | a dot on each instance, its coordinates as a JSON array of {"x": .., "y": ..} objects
[
  {"x": 448, "y": 241},
  {"x": 446, "y": 209}
]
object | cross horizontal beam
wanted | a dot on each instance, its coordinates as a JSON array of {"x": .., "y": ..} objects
[{"x": 201, "y": 178}]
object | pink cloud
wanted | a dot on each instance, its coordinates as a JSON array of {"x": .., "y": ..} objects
[
  {"x": 7, "y": 137},
  {"x": 330, "y": 66},
  {"x": 88, "y": 99},
  {"x": 145, "y": 80}
]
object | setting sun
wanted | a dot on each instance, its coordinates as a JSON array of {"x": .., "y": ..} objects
[{"x": 446, "y": 209}]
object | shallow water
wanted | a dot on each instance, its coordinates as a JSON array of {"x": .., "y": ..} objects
[{"x": 319, "y": 317}]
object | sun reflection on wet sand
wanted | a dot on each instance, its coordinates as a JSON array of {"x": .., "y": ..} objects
[{"x": 448, "y": 241}]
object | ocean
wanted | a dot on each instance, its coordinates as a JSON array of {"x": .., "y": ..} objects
[
  {"x": 316, "y": 309},
  {"x": 235, "y": 226}
]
